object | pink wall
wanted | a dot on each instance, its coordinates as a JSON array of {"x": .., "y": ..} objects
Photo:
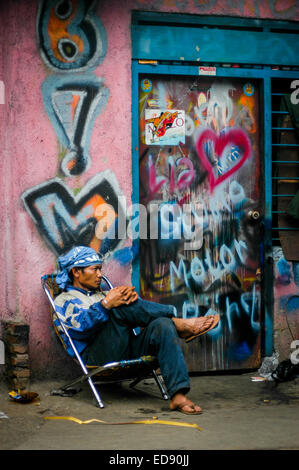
[{"x": 31, "y": 145}]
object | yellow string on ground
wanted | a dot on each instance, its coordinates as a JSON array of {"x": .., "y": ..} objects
[{"x": 147, "y": 421}]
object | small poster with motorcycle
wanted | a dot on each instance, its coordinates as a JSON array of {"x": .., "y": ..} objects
[{"x": 164, "y": 127}]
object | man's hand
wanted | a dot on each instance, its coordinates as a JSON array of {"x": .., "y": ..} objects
[
  {"x": 129, "y": 294},
  {"x": 121, "y": 295}
]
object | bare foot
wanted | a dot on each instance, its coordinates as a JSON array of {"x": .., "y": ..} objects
[
  {"x": 214, "y": 323},
  {"x": 193, "y": 326},
  {"x": 180, "y": 402}
]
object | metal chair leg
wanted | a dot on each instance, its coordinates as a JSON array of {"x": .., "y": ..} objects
[
  {"x": 160, "y": 385},
  {"x": 135, "y": 382},
  {"x": 100, "y": 404}
]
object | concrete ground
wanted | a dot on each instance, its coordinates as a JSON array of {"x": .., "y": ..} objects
[{"x": 238, "y": 414}]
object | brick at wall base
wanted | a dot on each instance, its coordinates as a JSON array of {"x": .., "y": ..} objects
[{"x": 16, "y": 340}]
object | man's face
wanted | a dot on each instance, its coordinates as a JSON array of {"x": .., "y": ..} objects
[{"x": 89, "y": 277}]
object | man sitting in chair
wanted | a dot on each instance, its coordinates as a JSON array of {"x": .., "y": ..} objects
[{"x": 101, "y": 324}]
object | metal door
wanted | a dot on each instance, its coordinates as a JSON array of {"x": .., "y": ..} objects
[{"x": 200, "y": 183}]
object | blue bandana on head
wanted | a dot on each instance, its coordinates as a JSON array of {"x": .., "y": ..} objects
[{"x": 75, "y": 258}]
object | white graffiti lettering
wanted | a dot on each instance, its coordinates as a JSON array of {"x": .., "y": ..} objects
[
  {"x": 250, "y": 303},
  {"x": 201, "y": 270},
  {"x": 249, "y": 300}
]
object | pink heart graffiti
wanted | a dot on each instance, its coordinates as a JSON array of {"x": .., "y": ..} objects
[{"x": 236, "y": 137}]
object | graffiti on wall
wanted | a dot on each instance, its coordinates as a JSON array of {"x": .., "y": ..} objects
[
  {"x": 235, "y": 138},
  {"x": 72, "y": 104},
  {"x": 283, "y": 9},
  {"x": 70, "y": 35},
  {"x": 286, "y": 299},
  {"x": 65, "y": 220},
  {"x": 217, "y": 166},
  {"x": 72, "y": 42}
]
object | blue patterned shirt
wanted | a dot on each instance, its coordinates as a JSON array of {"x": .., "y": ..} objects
[{"x": 82, "y": 314}]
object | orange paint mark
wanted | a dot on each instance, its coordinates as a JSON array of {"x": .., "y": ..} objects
[
  {"x": 96, "y": 201},
  {"x": 75, "y": 104},
  {"x": 70, "y": 164},
  {"x": 196, "y": 120},
  {"x": 247, "y": 101}
]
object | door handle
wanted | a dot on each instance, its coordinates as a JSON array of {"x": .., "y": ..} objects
[{"x": 254, "y": 215}]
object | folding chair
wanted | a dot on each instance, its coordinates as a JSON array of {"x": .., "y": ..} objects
[{"x": 113, "y": 372}]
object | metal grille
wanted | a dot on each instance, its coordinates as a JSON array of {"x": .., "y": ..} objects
[{"x": 285, "y": 165}]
